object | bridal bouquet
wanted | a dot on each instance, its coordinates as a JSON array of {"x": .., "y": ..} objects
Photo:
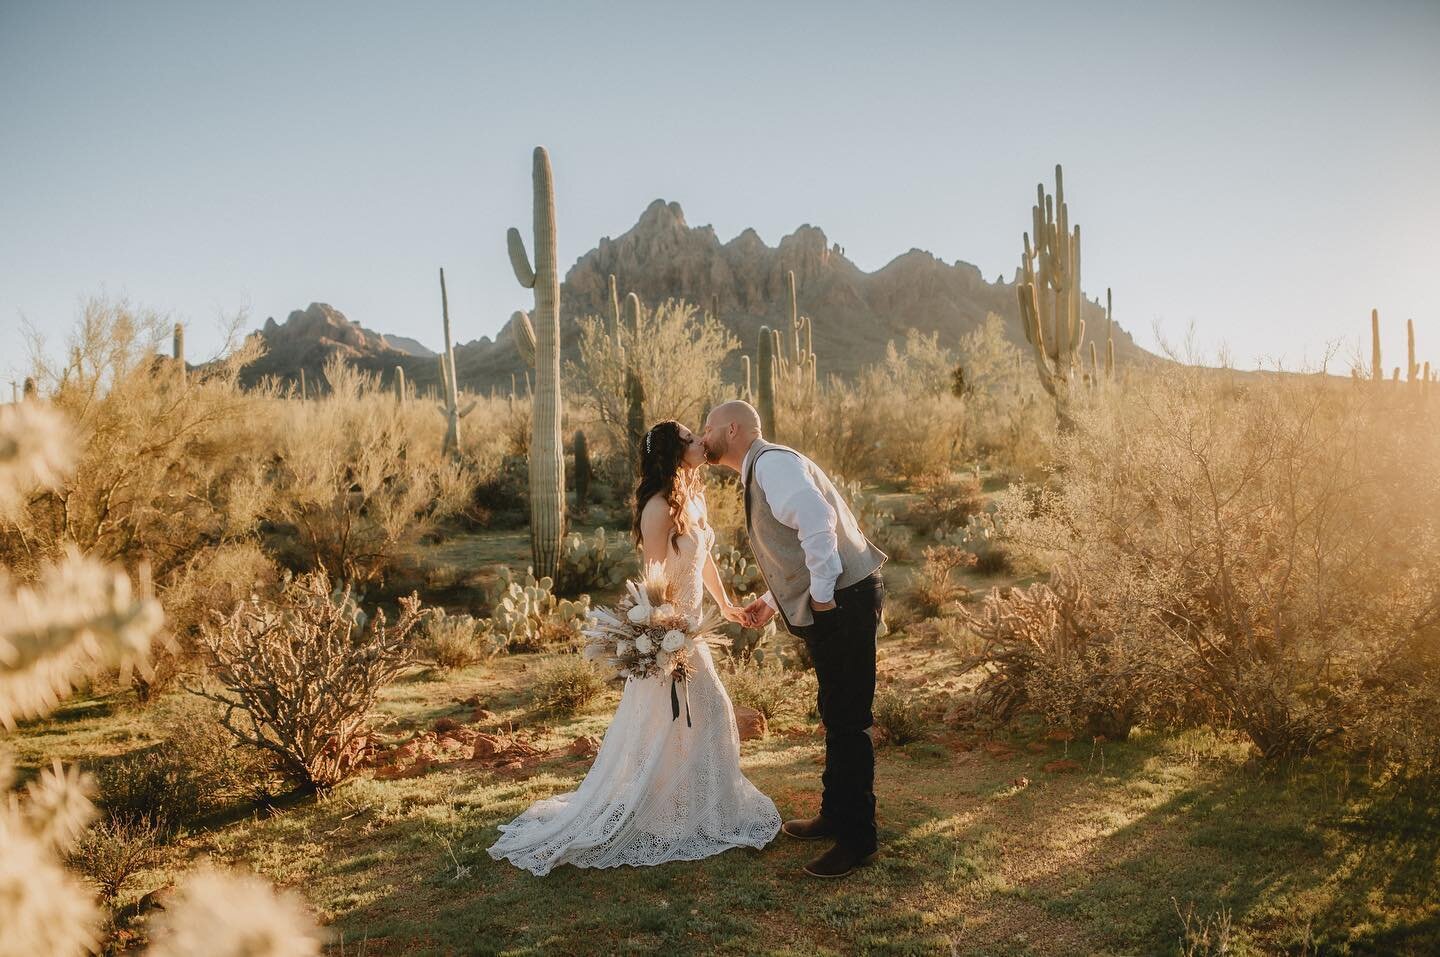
[{"x": 645, "y": 636}]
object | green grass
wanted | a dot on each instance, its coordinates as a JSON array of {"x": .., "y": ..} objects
[
  {"x": 980, "y": 855},
  {"x": 1083, "y": 863}
]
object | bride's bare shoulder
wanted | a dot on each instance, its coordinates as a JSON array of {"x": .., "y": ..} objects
[{"x": 656, "y": 512}]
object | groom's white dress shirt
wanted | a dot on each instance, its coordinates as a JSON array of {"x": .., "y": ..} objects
[{"x": 796, "y": 501}]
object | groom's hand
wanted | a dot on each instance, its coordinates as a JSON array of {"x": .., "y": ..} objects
[
  {"x": 757, "y": 613},
  {"x": 821, "y": 605}
]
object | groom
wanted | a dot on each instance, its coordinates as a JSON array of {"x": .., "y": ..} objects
[{"x": 823, "y": 576}]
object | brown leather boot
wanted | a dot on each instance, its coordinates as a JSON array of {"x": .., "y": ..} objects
[
  {"x": 837, "y": 862},
  {"x": 808, "y": 828}
]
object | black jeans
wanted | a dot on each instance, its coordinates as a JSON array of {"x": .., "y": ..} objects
[{"x": 842, "y": 645}]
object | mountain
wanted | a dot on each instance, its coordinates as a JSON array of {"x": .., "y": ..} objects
[{"x": 854, "y": 313}]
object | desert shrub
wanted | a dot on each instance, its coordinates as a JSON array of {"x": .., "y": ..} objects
[
  {"x": 217, "y": 577},
  {"x": 898, "y": 717},
  {"x": 675, "y": 351},
  {"x": 933, "y": 587},
  {"x": 81, "y": 618},
  {"x": 1275, "y": 539},
  {"x": 898, "y": 420},
  {"x": 770, "y": 688},
  {"x": 946, "y": 501},
  {"x": 565, "y": 684},
  {"x": 453, "y": 641},
  {"x": 163, "y": 470},
  {"x": 1009, "y": 424},
  {"x": 982, "y": 538},
  {"x": 528, "y": 616},
  {"x": 355, "y": 481},
  {"x": 593, "y": 562},
  {"x": 1048, "y": 649},
  {"x": 113, "y": 850},
  {"x": 151, "y": 785},
  {"x": 304, "y": 676}
]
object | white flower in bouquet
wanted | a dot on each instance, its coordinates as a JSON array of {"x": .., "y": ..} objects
[
  {"x": 639, "y": 614},
  {"x": 664, "y": 611},
  {"x": 622, "y": 647},
  {"x": 643, "y": 644},
  {"x": 673, "y": 640}
]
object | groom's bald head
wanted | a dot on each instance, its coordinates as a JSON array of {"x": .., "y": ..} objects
[
  {"x": 736, "y": 411},
  {"x": 730, "y": 428}
]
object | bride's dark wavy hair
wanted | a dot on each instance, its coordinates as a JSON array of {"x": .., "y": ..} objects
[{"x": 661, "y": 452}]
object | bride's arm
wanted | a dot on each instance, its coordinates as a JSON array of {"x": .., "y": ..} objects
[
  {"x": 655, "y": 527},
  {"x": 711, "y": 574}
]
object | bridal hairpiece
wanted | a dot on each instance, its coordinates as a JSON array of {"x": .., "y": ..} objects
[{"x": 647, "y": 440}]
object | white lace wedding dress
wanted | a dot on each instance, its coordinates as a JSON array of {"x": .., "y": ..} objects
[{"x": 659, "y": 790}]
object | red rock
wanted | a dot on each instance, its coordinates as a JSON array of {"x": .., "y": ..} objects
[
  {"x": 585, "y": 746},
  {"x": 1063, "y": 766},
  {"x": 486, "y": 746},
  {"x": 751, "y": 723},
  {"x": 998, "y": 749},
  {"x": 1039, "y": 747},
  {"x": 445, "y": 725},
  {"x": 482, "y": 716}
]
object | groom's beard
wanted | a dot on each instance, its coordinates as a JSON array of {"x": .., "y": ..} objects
[{"x": 712, "y": 455}]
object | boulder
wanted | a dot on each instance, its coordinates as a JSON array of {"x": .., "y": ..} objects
[{"x": 750, "y": 723}]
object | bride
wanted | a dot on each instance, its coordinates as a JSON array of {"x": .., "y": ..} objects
[{"x": 659, "y": 790}]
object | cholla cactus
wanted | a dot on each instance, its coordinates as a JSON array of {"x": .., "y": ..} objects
[
  {"x": 528, "y": 615},
  {"x": 304, "y": 676},
  {"x": 235, "y": 915},
  {"x": 78, "y": 619},
  {"x": 875, "y": 520}
]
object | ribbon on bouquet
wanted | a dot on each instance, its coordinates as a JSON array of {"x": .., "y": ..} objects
[{"x": 675, "y": 703}]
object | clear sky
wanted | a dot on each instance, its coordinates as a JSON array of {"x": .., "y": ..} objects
[{"x": 1265, "y": 169}]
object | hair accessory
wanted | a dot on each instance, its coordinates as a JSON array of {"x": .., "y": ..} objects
[{"x": 647, "y": 440}]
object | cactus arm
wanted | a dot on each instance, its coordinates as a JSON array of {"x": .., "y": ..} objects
[
  {"x": 519, "y": 260},
  {"x": 524, "y": 334}
]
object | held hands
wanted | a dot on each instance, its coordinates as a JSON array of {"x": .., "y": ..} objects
[
  {"x": 735, "y": 613},
  {"x": 756, "y": 614}
]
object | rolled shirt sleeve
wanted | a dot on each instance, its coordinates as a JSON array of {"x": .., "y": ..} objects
[{"x": 795, "y": 500}]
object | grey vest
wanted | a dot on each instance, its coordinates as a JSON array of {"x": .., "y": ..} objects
[{"x": 777, "y": 546}]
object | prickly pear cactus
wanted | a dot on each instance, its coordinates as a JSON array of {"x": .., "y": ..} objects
[
  {"x": 589, "y": 562},
  {"x": 528, "y": 616}
]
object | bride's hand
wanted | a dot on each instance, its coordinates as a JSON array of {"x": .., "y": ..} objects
[{"x": 735, "y": 613}]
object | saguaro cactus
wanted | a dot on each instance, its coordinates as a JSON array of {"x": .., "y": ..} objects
[
  {"x": 400, "y": 384},
  {"x": 547, "y": 464},
  {"x": 1109, "y": 336},
  {"x": 765, "y": 382},
  {"x": 1412, "y": 371},
  {"x": 635, "y": 414},
  {"x": 1049, "y": 293},
  {"x": 1377, "y": 371},
  {"x": 302, "y": 382},
  {"x": 28, "y": 391},
  {"x": 178, "y": 349},
  {"x": 450, "y": 405},
  {"x": 583, "y": 471}
]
